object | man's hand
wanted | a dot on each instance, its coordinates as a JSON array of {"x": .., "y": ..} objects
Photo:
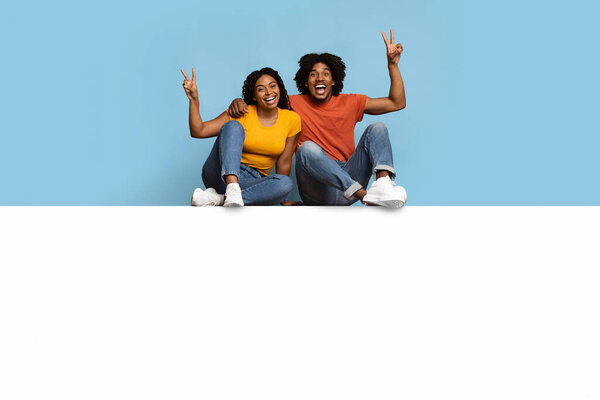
[
  {"x": 393, "y": 50},
  {"x": 237, "y": 108},
  {"x": 189, "y": 85}
]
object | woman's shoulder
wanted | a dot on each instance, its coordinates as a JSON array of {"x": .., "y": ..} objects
[
  {"x": 251, "y": 113},
  {"x": 288, "y": 114},
  {"x": 290, "y": 120}
]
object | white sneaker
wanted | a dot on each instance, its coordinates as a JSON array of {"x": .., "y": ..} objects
[
  {"x": 233, "y": 196},
  {"x": 208, "y": 197},
  {"x": 384, "y": 193}
]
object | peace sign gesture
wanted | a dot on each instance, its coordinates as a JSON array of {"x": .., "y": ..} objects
[
  {"x": 189, "y": 85},
  {"x": 393, "y": 50}
]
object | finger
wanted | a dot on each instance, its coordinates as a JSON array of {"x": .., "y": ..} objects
[
  {"x": 385, "y": 38},
  {"x": 399, "y": 47},
  {"x": 186, "y": 77},
  {"x": 392, "y": 36},
  {"x": 194, "y": 74}
]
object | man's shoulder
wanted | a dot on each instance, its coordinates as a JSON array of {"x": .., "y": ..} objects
[{"x": 298, "y": 97}]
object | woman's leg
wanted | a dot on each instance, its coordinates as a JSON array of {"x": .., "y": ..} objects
[
  {"x": 259, "y": 190},
  {"x": 224, "y": 158},
  {"x": 231, "y": 142}
]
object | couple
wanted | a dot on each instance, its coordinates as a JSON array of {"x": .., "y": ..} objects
[{"x": 261, "y": 131}]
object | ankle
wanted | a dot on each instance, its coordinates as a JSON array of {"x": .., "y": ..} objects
[{"x": 381, "y": 174}]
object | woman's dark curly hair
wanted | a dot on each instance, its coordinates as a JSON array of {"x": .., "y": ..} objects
[
  {"x": 250, "y": 83},
  {"x": 335, "y": 64}
]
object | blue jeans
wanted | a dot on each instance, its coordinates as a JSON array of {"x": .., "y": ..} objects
[
  {"x": 324, "y": 181},
  {"x": 224, "y": 159}
]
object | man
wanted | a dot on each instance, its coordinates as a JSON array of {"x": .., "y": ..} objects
[{"x": 330, "y": 170}]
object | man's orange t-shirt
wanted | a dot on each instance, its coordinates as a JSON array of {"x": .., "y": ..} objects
[{"x": 330, "y": 125}]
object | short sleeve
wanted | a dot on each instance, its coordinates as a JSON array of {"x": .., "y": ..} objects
[
  {"x": 241, "y": 119},
  {"x": 295, "y": 124},
  {"x": 361, "y": 102}
]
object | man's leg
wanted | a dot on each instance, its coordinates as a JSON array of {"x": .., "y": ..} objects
[
  {"x": 373, "y": 156},
  {"x": 321, "y": 180}
]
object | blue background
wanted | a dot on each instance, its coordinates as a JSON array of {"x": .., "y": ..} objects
[{"x": 501, "y": 96}]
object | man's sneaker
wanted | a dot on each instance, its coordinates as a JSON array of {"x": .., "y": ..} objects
[
  {"x": 233, "y": 196},
  {"x": 384, "y": 193},
  {"x": 208, "y": 197}
]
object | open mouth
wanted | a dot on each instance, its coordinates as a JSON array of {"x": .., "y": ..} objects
[
  {"x": 271, "y": 100},
  {"x": 320, "y": 89}
]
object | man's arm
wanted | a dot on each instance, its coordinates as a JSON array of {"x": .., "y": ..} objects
[
  {"x": 396, "y": 100},
  {"x": 237, "y": 108}
]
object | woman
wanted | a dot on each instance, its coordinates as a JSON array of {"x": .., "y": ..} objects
[{"x": 236, "y": 172}]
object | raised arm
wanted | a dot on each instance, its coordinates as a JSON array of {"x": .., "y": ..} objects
[
  {"x": 283, "y": 165},
  {"x": 199, "y": 128},
  {"x": 396, "y": 100}
]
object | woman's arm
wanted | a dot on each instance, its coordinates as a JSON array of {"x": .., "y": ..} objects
[
  {"x": 283, "y": 165},
  {"x": 199, "y": 128}
]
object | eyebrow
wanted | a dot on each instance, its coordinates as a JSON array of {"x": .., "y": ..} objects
[
  {"x": 273, "y": 81},
  {"x": 326, "y": 68}
]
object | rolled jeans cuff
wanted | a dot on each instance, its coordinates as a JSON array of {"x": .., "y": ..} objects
[
  {"x": 382, "y": 167},
  {"x": 223, "y": 173},
  {"x": 351, "y": 190}
]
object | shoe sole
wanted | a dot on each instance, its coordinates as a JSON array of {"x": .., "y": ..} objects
[{"x": 385, "y": 203}]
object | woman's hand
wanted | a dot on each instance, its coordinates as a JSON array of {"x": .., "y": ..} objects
[
  {"x": 189, "y": 85},
  {"x": 393, "y": 50}
]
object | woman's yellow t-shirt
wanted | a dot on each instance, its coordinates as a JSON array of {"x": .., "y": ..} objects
[{"x": 263, "y": 145}]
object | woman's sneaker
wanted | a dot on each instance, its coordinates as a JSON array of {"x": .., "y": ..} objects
[
  {"x": 384, "y": 193},
  {"x": 233, "y": 196},
  {"x": 208, "y": 197}
]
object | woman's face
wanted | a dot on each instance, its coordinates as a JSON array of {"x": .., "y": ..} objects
[{"x": 266, "y": 92}]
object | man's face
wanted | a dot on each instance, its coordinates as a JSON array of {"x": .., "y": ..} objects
[{"x": 320, "y": 83}]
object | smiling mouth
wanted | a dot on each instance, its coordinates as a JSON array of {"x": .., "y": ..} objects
[
  {"x": 320, "y": 89},
  {"x": 270, "y": 100}
]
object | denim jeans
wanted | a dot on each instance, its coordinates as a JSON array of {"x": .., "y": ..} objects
[
  {"x": 324, "y": 181},
  {"x": 224, "y": 159}
]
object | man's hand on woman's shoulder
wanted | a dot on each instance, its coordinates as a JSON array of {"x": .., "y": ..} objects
[{"x": 237, "y": 108}]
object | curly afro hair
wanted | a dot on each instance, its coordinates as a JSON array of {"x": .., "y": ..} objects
[
  {"x": 250, "y": 83},
  {"x": 335, "y": 64}
]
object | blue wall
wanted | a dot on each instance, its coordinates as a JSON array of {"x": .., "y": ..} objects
[{"x": 501, "y": 95}]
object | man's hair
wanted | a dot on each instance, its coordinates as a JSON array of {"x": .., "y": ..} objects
[
  {"x": 250, "y": 83},
  {"x": 335, "y": 64}
]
